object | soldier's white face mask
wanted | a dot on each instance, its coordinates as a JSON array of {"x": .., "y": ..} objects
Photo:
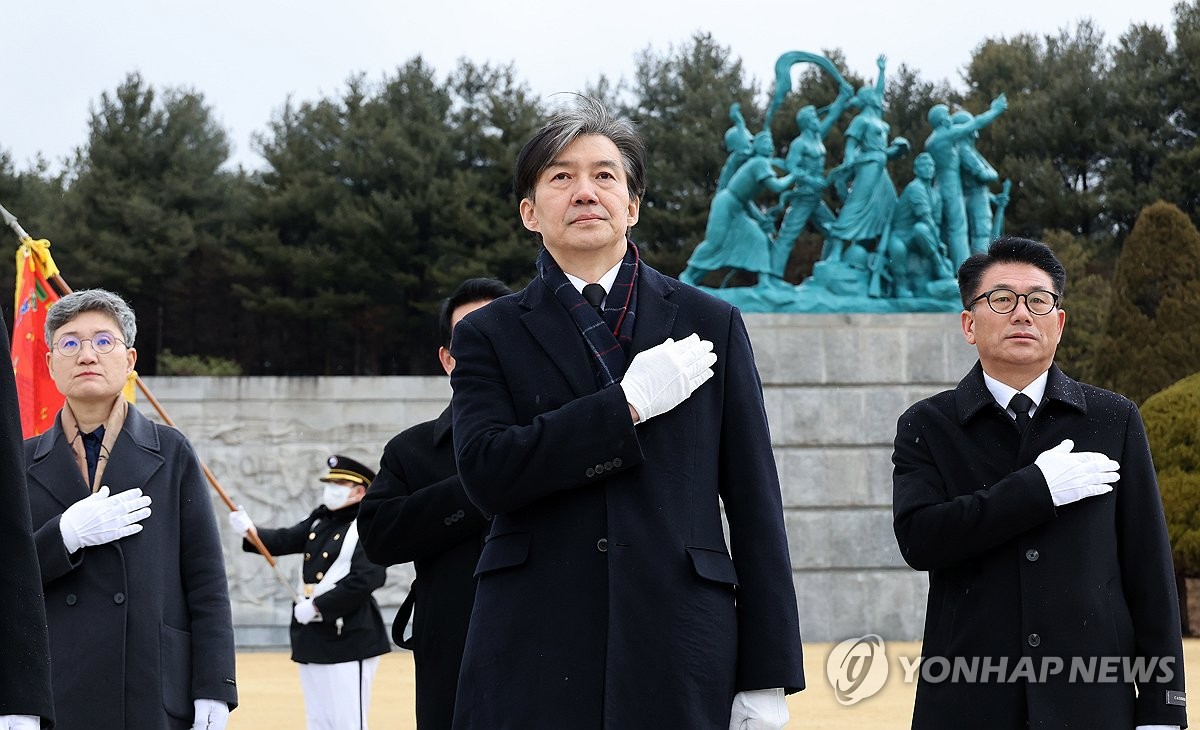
[{"x": 335, "y": 496}]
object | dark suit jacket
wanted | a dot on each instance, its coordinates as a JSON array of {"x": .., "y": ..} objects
[
  {"x": 417, "y": 510},
  {"x": 607, "y": 596},
  {"x": 25, "y": 658},
  {"x": 360, "y": 634},
  {"x": 1011, "y": 576},
  {"x": 139, "y": 627}
]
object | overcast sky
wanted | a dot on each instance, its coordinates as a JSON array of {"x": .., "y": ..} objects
[{"x": 246, "y": 57}]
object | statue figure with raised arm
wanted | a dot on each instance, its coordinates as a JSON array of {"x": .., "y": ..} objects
[
  {"x": 738, "y": 234},
  {"x": 943, "y": 144},
  {"x": 739, "y": 144},
  {"x": 862, "y": 179},
  {"x": 977, "y": 176},
  {"x": 804, "y": 203}
]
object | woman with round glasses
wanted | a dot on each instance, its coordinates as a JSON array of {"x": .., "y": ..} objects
[{"x": 133, "y": 575}]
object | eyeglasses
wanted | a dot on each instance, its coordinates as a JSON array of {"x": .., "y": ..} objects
[
  {"x": 102, "y": 342},
  {"x": 1003, "y": 301}
]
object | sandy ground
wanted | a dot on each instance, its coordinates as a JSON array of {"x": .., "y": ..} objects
[{"x": 269, "y": 686}]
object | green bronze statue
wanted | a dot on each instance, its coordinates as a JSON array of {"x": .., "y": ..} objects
[
  {"x": 805, "y": 202},
  {"x": 977, "y": 175},
  {"x": 881, "y": 253},
  {"x": 943, "y": 144},
  {"x": 739, "y": 234}
]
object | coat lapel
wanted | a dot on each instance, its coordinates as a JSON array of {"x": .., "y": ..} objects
[
  {"x": 53, "y": 467},
  {"x": 557, "y": 334},
  {"x": 655, "y": 314},
  {"x": 136, "y": 455}
]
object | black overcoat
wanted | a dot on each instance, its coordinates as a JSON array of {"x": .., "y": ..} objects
[
  {"x": 1011, "y": 576},
  {"x": 140, "y": 627},
  {"x": 607, "y": 596},
  {"x": 25, "y": 657},
  {"x": 417, "y": 510},
  {"x": 351, "y": 627}
]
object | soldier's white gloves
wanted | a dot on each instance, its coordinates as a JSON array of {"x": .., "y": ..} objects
[
  {"x": 664, "y": 376},
  {"x": 20, "y": 722},
  {"x": 759, "y": 709},
  {"x": 99, "y": 518},
  {"x": 1075, "y": 476},
  {"x": 210, "y": 715},
  {"x": 240, "y": 521},
  {"x": 306, "y": 611}
]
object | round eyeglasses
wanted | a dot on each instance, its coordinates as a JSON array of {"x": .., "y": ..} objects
[
  {"x": 1004, "y": 301},
  {"x": 102, "y": 342}
]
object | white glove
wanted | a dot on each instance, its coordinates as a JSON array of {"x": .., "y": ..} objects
[
  {"x": 664, "y": 376},
  {"x": 20, "y": 722},
  {"x": 240, "y": 521},
  {"x": 759, "y": 709},
  {"x": 210, "y": 715},
  {"x": 306, "y": 611},
  {"x": 1075, "y": 476},
  {"x": 99, "y": 518}
]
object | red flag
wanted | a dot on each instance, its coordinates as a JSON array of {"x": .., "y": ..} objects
[{"x": 39, "y": 398}]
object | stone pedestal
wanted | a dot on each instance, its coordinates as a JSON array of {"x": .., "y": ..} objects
[{"x": 834, "y": 386}]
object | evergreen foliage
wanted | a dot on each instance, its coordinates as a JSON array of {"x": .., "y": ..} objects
[
  {"x": 1151, "y": 338},
  {"x": 1172, "y": 418}
]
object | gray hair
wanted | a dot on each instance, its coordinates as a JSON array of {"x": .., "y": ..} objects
[
  {"x": 588, "y": 116},
  {"x": 92, "y": 300}
]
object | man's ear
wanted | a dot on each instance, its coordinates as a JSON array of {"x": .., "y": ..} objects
[
  {"x": 446, "y": 359},
  {"x": 968, "y": 326},
  {"x": 528, "y": 217}
]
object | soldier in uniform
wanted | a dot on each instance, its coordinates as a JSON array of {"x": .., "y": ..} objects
[{"x": 337, "y": 632}]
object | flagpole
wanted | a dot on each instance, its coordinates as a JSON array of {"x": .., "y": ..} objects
[{"x": 11, "y": 221}]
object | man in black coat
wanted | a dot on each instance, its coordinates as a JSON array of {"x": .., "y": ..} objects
[
  {"x": 336, "y": 629},
  {"x": 25, "y": 662},
  {"x": 604, "y": 415},
  {"x": 417, "y": 510},
  {"x": 1032, "y": 501}
]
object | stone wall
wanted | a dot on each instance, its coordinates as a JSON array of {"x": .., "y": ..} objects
[{"x": 834, "y": 386}]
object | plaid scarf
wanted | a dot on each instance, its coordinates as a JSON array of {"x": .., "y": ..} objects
[{"x": 608, "y": 340}]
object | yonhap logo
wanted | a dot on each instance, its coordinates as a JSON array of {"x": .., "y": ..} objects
[{"x": 857, "y": 668}]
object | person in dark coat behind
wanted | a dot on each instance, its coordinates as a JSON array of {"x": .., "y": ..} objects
[
  {"x": 141, "y": 634},
  {"x": 417, "y": 510},
  {"x": 1032, "y": 501},
  {"x": 337, "y": 632},
  {"x": 604, "y": 434},
  {"x": 26, "y": 702}
]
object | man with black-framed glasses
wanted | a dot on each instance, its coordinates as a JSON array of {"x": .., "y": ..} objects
[{"x": 1031, "y": 500}]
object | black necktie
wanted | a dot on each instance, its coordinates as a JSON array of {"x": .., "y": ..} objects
[
  {"x": 1021, "y": 404},
  {"x": 594, "y": 294}
]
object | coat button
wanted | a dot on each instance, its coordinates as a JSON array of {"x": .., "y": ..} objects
[
  {"x": 617, "y": 463},
  {"x": 119, "y": 598},
  {"x": 307, "y": 556},
  {"x": 320, "y": 575},
  {"x": 608, "y": 465},
  {"x": 325, "y": 555},
  {"x": 447, "y": 521},
  {"x": 602, "y": 544},
  {"x": 337, "y": 536},
  {"x": 1032, "y": 555},
  {"x": 71, "y": 599},
  {"x": 1035, "y": 640},
  {"x": 590, "y": 472},
  {"x": 312, "y": 536}
]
